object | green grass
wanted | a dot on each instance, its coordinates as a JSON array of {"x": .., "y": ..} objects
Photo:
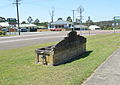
[{"x": 17, "y": 66}]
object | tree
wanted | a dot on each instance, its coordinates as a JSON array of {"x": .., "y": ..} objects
[
  {"x": 23, "y": 22},
  {"x": 29, "y": 19},
  {"x": 43, "y": 24},
  {"x": 105, "y": 24},
  {"x": 36, "y": 21},
  {"x": 60, "y": 18},
  {"x": 69, "y": 19},
  {"x": 89, "y": 22},
  {"x": 2, "y": 19}
]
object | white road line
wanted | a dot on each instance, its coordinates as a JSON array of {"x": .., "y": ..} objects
[{"x": 30, "y": 39}]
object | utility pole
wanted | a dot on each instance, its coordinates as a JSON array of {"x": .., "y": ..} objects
[
  {"x": 18, "y": 20},
  {"x": 52, "y": 16},
  {"x": 73, "y": 20},
  {"x": 114, "y": 24},
  {"x": 80, "y": 10},
  {"x": 80, "y": 16}
]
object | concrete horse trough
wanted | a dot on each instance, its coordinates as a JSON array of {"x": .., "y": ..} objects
[{"x": 72, "y": 46}]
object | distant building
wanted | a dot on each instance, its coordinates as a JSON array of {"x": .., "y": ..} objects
[
  {"x": 10, "y": 22},
  {"x": 4, "y": 24},
  {"x": 60, "y": 24},
  {"x": 6, "y": 27},
  {"x": 94, "y": 27},
  {"x": 81, "y": 27},
  {"x": 28, "y": 25}
]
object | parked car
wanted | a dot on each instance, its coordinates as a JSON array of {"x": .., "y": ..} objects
[
  {"x": 23, "y": 30},
  {"x": 56, "y": 29},
  {"x": 5, "y": 29},
  {"x": 33, "y": 29}
]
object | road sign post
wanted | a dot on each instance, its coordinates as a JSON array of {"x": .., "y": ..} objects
[{"x": 116, "y": 20}]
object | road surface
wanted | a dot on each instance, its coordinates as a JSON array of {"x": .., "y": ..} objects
[{"x": 28, "y": 39}]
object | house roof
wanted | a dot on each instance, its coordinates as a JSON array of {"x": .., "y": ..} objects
[{"x": 61, "y": 22}]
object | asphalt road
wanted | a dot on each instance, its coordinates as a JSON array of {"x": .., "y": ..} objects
[{"x": 28, "y": 39}]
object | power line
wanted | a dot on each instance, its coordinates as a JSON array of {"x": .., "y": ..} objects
[
  {"x": 46, "y": 6},
  {"x": 4, "y": 6}
]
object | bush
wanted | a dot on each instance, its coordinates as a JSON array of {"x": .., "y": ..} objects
[
  {"x": 118, "y": 27},
  {"x": 2, "y": 33},
  {"x": 109, "y": 28}
]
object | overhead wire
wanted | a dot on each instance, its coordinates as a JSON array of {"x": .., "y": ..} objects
[
  {"x": 5, "y": 6},
  {"x": 45, "y": 6}
]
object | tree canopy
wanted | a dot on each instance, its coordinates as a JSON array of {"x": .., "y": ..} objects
[
  {"x": 43, "y": 24},
  {"x": 69, "y": 19},
  {"x": 60, "y": 18},
  {"x": 2, "y": 19},
  {"x": 89, "y": 22},
  {"x": 23, "y": 22}
]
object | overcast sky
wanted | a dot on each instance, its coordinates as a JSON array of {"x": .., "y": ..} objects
[{"x": 99, "y": 10}]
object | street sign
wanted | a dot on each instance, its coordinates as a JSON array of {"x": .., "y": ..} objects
[{"x": 11, "y": 20}]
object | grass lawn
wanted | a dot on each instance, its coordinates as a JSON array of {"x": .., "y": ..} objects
[
  {"x": 17, "y": 66},
  {"x": 6, "y": 35}
]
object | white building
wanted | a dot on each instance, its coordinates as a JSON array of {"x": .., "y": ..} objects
[
  {"x": 4, "y": 24},
  {"x": 94, "y": 27},
  {"x": 60, "y": 24},
  {"x": 81, "y": 27},
  {"x": 27, "y": 25}
]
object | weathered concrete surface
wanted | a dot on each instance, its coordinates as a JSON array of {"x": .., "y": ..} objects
[
  {"x": 108, "y": 73},
  {"x": 70, "y": 47}
]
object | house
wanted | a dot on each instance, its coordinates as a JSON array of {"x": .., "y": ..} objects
[
  {"x": 60, "y": 24},
  {"x": 7, "y": 27},
  {"x": 80, "y": 27},
  {"x": 29, "y": 27},
  {"x": 94, "y": 27}
]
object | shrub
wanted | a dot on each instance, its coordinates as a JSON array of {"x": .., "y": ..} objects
[{"x": 2, "y": 33}]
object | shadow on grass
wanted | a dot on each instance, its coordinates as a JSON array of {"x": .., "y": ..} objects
[{"x": 87, "y": 53}]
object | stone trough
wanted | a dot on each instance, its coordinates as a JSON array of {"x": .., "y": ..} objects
[{"x": 72, "y": 46}]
